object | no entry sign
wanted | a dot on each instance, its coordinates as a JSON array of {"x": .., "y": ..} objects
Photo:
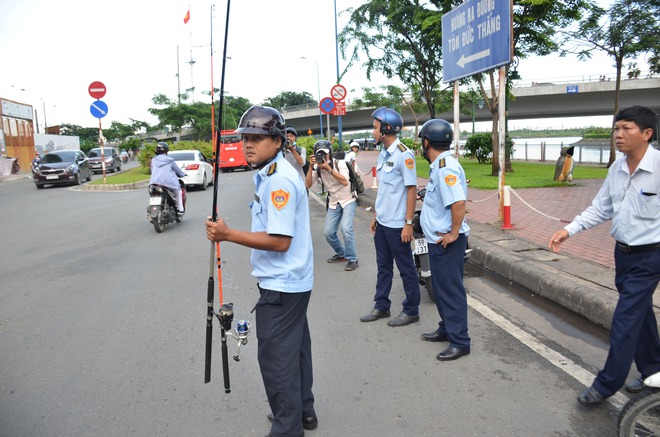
[{"x": 96, "y": 90}]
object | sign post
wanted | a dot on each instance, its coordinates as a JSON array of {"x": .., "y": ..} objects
[
  {"x": 477, "y": 37},
  {"x": 99, "y": 110}
]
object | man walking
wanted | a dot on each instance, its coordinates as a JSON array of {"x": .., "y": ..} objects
[{"x": 630, "y": 197}]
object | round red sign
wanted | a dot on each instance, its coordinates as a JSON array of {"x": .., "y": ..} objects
[{"x": 96, "y": 89}]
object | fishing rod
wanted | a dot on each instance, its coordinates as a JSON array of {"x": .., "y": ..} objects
[{"x": 225, "y": 313}]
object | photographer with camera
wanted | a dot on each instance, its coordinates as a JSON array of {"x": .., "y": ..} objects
[
  {"x": 296, "y": 155},
  {"x": 341, "y": 204}
]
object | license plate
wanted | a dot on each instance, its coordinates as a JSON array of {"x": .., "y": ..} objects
[
  {"x": 231, "y": 159},
  {"x": 52, "y": 177},
  {"x": 421, "y": 247},
  {"x": 155, "y": 200}
]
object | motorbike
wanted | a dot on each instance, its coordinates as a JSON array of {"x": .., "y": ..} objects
[
  {"x": 162, "y": 208},
  {"x": 421, "y": 250},
  {"x": 641, "y": 414}
]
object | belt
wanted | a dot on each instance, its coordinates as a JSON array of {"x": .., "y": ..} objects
[{"x": 634, "y": 249}]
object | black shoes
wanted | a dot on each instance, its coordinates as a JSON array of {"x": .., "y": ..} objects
[
  {"x": 590, "y": 396},
  {"x": 375, "y": 315},
  {"x": 636, "y": 386},
  {"x": 309, "y": 422},
  {"x": 434, "y": 336},
  {"x": 403, "y": 319},
  {"x": 336, "y": 259},
  {"x": 453, "y": 353}
]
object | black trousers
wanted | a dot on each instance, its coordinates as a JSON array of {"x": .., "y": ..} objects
[
  {"x": 285, "y": 359},
  {"x": 634, "y": 333}
]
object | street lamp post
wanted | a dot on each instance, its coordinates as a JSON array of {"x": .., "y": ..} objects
[{"x": 318, "y": 84}]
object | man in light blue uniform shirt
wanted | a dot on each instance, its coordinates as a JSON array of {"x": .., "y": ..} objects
[
  {"x": 281, "y": 243},
  {"x": 630, "y": 197},
  {"x": 446, "y": 231},
  {"x": 392, "y": 226}
]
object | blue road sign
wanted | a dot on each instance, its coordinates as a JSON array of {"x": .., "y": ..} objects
[
  {"x": 571, "y": 89},
  {"x": 99, "y": 109},
  {"x": 327, "y": 105},
  {"x": 476, "y": 37}
]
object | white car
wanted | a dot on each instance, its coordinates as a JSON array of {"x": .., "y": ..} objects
[{"x": 196, "y": 167}]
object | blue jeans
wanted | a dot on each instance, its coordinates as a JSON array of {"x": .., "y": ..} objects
[{"x": 344, "y": 217}]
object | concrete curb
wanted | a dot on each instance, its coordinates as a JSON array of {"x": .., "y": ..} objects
[{"x": 115, "y": 187}]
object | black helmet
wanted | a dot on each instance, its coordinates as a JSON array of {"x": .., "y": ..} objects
[
  {"x": 161, "y": 148},
  {"x": 291, "y": 130},
  {"x": 323, "y": 145},
  {"x": 388, "y": 117},
  {"x": 262, "y": 120},
  {"x": 437, "y": 131}
]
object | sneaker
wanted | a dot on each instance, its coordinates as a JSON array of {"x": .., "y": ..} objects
[
  {"x": 352, "y": 265},
  {"x": 336, "y": 259}
]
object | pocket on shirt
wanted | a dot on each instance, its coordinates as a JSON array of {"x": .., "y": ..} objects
[
  {"x": 388, "y": 175},
  {"x": 648, "y": 207}
]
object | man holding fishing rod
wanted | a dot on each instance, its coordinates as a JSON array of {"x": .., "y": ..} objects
[{"x": 281, "y": 244}]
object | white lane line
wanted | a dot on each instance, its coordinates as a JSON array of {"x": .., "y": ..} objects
[{"x": 558, "y": 360}]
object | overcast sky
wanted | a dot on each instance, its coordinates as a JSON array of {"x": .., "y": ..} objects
[{"x": 52, "y": 50}]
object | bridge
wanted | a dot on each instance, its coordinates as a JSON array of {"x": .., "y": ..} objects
[{"x": 536, "y": 100}]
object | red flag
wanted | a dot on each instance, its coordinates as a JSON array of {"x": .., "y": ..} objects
[{"x": 187, "y": 17}]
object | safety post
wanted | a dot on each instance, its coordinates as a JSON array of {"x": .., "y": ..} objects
[
  {"x": 374, "y": 185},
  {"x": 506, "y": 198}
]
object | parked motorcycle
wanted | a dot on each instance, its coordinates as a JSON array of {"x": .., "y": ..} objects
[
  {"x": 641, "y": 415},
  {"x": 162, "y": 208},
  {"x": 421, "y": 250}
]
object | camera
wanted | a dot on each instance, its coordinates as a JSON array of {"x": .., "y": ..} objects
[{"x": 320, "y": 156}]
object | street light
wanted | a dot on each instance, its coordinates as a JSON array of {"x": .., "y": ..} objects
[{"x": 318, "y": 84}]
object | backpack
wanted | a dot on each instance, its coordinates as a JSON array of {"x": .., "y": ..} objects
[{"x": 357, "y": 186}]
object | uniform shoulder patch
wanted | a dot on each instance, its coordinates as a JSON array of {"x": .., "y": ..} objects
[
  {"x": 279, "y": 198},
  {"x": 402, "y": 147},
  {"x": 410, "y": 163},
  {"x": 442, "y": 163},
  {"x": 451, "y": 180},
  {"x": 272, "y": 169}
]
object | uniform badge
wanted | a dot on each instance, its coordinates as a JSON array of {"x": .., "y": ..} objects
[
  {"x": 279, "y": 198},
  {"x": 450, "y": 180},
  {"x": 410, "y": 163}
]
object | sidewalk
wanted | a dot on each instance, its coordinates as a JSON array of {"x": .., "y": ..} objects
[{"x": 579, "y": 278}]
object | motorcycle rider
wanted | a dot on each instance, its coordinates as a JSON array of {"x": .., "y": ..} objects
[{"x": 164, "y": 171}]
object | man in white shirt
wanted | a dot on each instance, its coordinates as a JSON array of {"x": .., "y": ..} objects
[{"x": 352, "y": 154}]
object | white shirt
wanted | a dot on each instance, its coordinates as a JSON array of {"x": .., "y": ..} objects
[
  {"x": 350, "y": 156},
  {"x": 631, "y": 201}
]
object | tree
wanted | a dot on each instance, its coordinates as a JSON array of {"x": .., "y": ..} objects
[
  {"x": 89, "y": 136},
  {"x": 287, "y": 99},
  {"x": 628, "y": 29},
  {"x": 401, "y": 39}
]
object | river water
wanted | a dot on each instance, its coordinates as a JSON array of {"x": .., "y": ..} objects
[{"x": 548, "y": 149}]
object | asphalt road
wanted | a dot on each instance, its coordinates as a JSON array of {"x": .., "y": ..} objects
[{"x": 102, "y": 325}]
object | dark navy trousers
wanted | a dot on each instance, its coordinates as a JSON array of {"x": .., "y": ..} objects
[
  {"x": 447, "y": 266},
  {"x": 285, "y": 359},
  {"x": 634, "y": 332},
  {"x": 390, "y": 249}
]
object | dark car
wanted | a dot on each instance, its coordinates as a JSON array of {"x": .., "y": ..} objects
[
  {"x": 62, "y": 167},
  {"x": 112, "y": 160}
]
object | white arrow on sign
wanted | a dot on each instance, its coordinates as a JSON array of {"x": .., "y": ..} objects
[
  {"x": 99, "y": 108},
  {"x": 467, "y": 59}
]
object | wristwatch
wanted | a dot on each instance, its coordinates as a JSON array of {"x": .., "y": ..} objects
[{"x": 409, "y": 222}]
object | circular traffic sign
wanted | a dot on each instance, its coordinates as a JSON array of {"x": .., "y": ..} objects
[
  {"x": 99, "y": 109},
  {"x": 338, "y": 92},
  {"x": 96, "y": 89},
  {"x": 327, "y": 105}
]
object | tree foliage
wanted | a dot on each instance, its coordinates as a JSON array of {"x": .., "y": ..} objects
[
  {"x": 628, "y": 29},
  {"x": 287, "y": 99}
]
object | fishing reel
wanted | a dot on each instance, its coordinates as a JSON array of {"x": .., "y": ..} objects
[{"x": 226, "y": 316}]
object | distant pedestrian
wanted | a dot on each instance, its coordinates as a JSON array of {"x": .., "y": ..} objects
[
  {"x": 295, "y": 154},
  {"x": 630, "y": 197},
  {"x": 352, "y": 155},
  {"x": 341, "y": 204},
  {"x": 446, "y": 231},
  {"x": 392, "y": 225}
]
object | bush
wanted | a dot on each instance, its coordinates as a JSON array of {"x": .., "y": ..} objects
[
  {"x": 148, "y": 150},
  {"x": 479, "y": 146}
]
